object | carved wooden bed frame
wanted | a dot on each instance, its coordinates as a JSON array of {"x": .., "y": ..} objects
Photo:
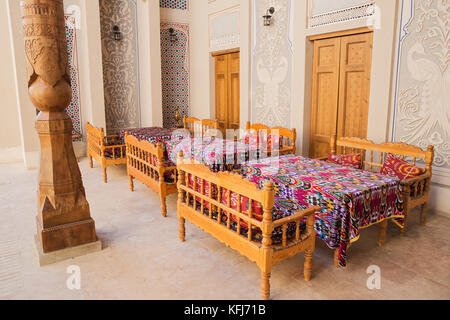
[
  {"x": 192, "y": 125},
  {"x": 264, "y": 253},
  {"x": 416, "y": 191},
  {"x": 146, "y": 163},
  {"x": 288, "y": 137},
  {"x": 106, "y": 150}
]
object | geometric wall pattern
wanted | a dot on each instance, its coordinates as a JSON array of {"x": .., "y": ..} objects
[
  {"x": 174, "y": 4},
  {"x": 74, "y": 108},
  {"x": 174, "y": 72}
]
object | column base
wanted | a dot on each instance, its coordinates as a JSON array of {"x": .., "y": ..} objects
[{"x": 45, "y": 259}]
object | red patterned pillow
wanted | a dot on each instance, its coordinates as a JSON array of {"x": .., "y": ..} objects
[
  {"x": 398, "y": 168},
  {"x": 346, "y": 160}
]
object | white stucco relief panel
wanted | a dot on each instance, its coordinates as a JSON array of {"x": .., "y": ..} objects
[
  {"x": 422, "y": 95},
  {"x": 224, "y": 29},
  {"x": 272, "y": 65}
]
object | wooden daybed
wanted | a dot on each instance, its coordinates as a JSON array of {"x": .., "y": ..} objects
[
  {"x": 197, "y": 127},
  {"x": 288, "y": 137},
  {"x": 416, "y": 191},
  {"x": 106, "y": 150},
  {"x": 147, "y": 162},
  {"x": 229, "y": 222}
]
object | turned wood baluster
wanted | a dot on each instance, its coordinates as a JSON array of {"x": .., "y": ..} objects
[
  {"x": 333, "y": 144},
  {"x": 162, "y": 183},
  {"x": 267, "y": 231},
  {"x": 250, "y": 214},
  {"x": 181, "y": 199},
  {"x": 429, "y": 162},
  {"x": 307, "y": 272},
  {"x": 284, "y": 237},
  {"x": 64, "y": 218}
]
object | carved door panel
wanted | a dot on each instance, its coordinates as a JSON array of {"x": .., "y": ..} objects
[
  {"x": 354, "y": 85},
  {"x": 325, "y": 94},
  {"x": 221, "y": 90},
  {"x": 234, "y": 91},
  {"x": 227, "y": 90}
]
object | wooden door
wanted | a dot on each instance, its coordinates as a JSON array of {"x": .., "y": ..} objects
[
  {"x": 221, "y": 90},
  {"x": 325, "y": 95},
  {"x": 340, "y": 89},
  {"x": 354, "y": 85},
  {"x": 227, "y": 90}
]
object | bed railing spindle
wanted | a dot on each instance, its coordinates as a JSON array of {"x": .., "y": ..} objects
[{"x": 297, "y": 230}]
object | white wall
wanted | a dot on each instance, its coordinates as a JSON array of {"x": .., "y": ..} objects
[
  {"x": 150, "y": 63},
  {"x": 202, "y": 63},
  {"x": 10, "y": 140},
  {"x": 26, "y": 110}
]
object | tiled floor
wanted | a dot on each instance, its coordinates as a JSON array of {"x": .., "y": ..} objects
[{"x": 143, "y": 258}]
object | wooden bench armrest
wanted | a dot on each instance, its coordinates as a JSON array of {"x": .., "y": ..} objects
[
  {"x": 412, "y": 181},
  {"x": 295, "y": 217}
]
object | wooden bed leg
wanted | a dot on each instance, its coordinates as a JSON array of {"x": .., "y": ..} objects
[
  {"x": 406, "y": 210},
  {"x": 130, "y": 179},
  {"x": 382, "y": 233},
  {"x": 105, "y": 177},
  {"x": 163, "y": 206},
  {"x": 91, "y": 164},
  {"x": 403, "y": 230},
  {"x": 336, "y": 258},
  {"x": 265, "y": 285},
  {"x": 308, "y": 264},
  {"x": 182, "y": 229},
  {"x": 423, "y": 214}
]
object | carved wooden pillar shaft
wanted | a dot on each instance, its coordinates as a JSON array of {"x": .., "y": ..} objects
[{"x": 63, "y": 219}]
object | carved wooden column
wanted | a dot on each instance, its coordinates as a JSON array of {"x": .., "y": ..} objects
[{"x": 64, "y": 225}]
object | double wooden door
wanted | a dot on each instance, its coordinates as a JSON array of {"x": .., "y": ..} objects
[
  {"x": 340, "y": 89},
  {"x": 227, "y": 90}
]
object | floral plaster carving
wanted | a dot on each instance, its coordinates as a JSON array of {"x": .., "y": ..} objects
[
  {"x": 120, "y": 65},
  {"x": 423, "y": 90},
  {"x": 272, "y": 65}
]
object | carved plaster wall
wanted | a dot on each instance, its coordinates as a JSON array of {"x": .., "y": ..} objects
[
  {"x": 120, "y": 64},
  {"x": 422, "y": 92},
  {"x": 224, "y": 29},
  {"x": 272, "y": 65},
  {"x": 325, "y": 12}
]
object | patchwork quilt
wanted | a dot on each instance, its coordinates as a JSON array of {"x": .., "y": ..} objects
[
  {"x": 350, "y": 199},
  {"x": 218, "y": 154},
  {"x": 152, "y": 134}
]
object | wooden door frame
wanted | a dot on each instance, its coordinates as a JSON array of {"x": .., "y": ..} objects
[
  {"x": 222, "y": 52},
  {"x": 341, "y": 33}
]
